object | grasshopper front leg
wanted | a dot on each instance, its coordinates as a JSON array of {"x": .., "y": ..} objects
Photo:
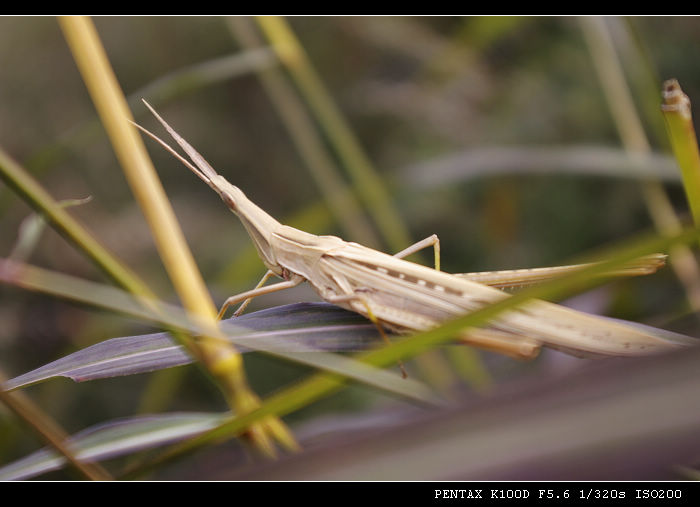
[{"x": 259, "y": 290}]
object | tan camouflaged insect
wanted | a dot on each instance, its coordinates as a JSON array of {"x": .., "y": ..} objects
[{"x": 406, "y": 297}]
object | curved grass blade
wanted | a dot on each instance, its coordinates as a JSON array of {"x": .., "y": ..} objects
[
  {"x": 301, "y": 327},
  {"x": 31, "y": 229},
  {"x": 581, "y": 160},
  {"x": 115, "y": 438}
]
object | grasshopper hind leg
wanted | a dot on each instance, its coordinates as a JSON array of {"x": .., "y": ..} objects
[{"x": 372, "y": 317}]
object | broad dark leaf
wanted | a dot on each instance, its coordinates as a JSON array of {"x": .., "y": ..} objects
[
  {"x": 173, "y": 317},
  {"x": 301, "y": 327}
]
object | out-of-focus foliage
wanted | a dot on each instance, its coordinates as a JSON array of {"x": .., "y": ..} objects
[{"x": 416, "y": 92}]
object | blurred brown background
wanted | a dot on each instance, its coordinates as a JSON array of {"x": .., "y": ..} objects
[{"x": 493, "y": 133}]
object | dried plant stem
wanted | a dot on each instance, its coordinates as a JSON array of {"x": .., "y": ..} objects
[
  {"x": 222, "y": 360},
  {"x": 365, "y": 179}
]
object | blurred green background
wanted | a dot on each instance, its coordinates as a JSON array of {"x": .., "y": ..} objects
[{"x": 493, "y": 133}]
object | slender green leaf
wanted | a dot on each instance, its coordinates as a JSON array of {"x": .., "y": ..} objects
[
  {"x": 366, "y": 179},
  {"x": 341, "y": 202}
]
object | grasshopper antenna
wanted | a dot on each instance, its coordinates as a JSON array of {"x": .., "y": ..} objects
[
  {"x": 203, "y": 170},
  {"x": 175, "y": 154}
]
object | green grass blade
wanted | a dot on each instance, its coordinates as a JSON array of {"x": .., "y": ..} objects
[
  {"x": 679, "y": 124},
  {"x": 367, "y": 182},
  {"x": 311, "y": 148}
]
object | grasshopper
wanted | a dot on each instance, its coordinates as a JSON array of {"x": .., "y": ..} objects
[{"x": 406, "y": 297}]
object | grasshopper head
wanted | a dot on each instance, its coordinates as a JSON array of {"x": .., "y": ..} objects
[{"x": 259, "y": 225}]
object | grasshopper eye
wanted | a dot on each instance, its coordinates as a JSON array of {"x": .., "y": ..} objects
[{"x": 228, "y": 200}]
